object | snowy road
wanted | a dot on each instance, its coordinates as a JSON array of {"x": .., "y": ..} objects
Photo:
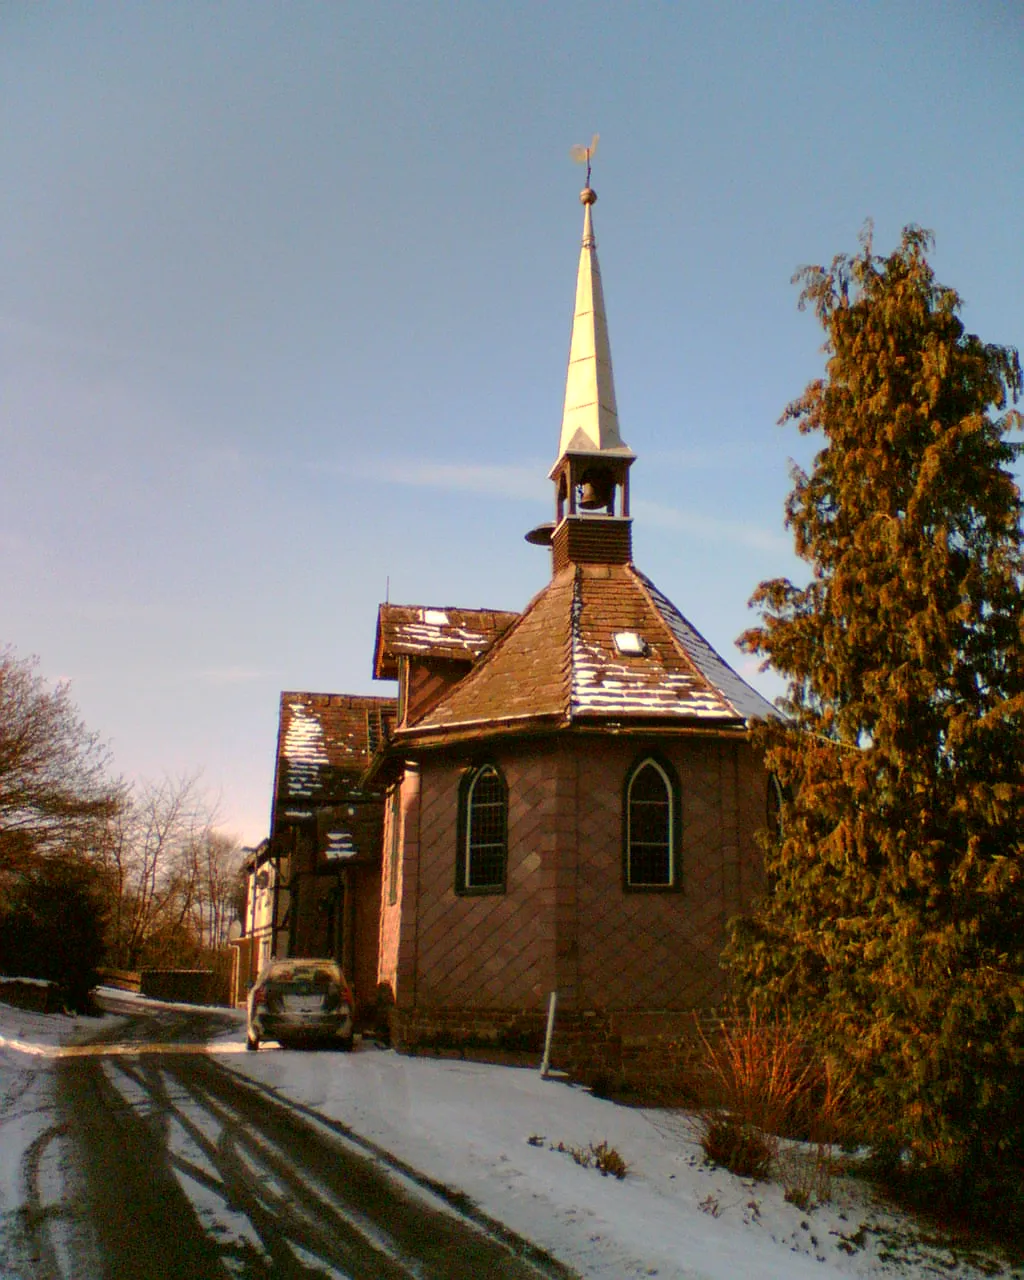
[
  {"x": 151, "y": 1143},
  {"x": 160, "y": 1163}
]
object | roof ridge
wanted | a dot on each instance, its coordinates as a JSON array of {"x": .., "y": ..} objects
[
  {"x": 362, "y": 697},
  {"x": 444, "y": 608},
  {"x": 572, "y": 639},
  {"x": 479, "y": 670},
  {"x": 650, "y": 590},
  {"x": 654, "y": 594}
]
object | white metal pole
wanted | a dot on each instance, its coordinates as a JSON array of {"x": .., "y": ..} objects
[{"x": 552, "y": 1004}]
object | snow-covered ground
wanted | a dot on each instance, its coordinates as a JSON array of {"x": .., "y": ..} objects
[
  {"x": 29, "y": 1043},
  {"x": 494, "y": 1132}
]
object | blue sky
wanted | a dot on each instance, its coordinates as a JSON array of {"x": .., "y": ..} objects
[{"x": 285, "y": 295}]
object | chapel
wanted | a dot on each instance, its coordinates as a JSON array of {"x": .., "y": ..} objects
[{"x": 571, "y": 797}]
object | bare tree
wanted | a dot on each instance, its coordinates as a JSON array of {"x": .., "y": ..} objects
[
  {"x": 215, "y": 862},
  {"x": 56, "y": 795},
  {"x": 169, "y": 876}
]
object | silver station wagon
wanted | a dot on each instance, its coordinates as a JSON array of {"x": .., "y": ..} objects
[{"x": 300, "y": 1002}]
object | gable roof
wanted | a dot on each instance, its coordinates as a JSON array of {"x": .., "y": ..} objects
[
  {"x": 560, "y": 665},
  {"x": 324, "y": 742},
  {"x": 428, "y": 632}
]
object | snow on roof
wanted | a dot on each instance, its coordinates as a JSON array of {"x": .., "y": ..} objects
[
  {"x": 647, "y": 678},
  {"x": 747, "y": 701},
  {"x": 340, "y": 845},
  {"x": 324, "y": 738},
  {"x": 304, "y": 749},
  {"x": 614, "y": 688},
  {"x": 426, "y": 632},
  {"x": 599, "y": 642}
]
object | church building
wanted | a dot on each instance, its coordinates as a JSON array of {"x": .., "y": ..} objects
[{"x": 570, "y": 793}]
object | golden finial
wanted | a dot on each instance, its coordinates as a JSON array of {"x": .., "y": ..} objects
[{"x": 584, "y": 155}]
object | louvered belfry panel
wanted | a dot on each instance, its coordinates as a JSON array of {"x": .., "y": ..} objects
[{"x": 592, "y": 540}]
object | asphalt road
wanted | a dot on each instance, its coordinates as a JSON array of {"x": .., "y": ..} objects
[{"x": 165, "y": 1164}]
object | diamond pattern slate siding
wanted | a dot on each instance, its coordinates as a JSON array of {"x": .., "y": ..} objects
[{"x": 566, "y": 920}]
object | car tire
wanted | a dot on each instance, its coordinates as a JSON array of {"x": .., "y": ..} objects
[{"x": 252, "y": 1043}]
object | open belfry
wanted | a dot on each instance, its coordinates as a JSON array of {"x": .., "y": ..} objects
[{"x": 571, "y": 797}]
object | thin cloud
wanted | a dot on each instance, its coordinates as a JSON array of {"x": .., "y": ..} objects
[
  {"x": 734, "y": 456},
  {"x": 735, "y": 531},
  {"x": 519, "y": 483}
]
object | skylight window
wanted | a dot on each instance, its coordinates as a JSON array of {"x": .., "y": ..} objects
[{"x": 630, "y": 645}]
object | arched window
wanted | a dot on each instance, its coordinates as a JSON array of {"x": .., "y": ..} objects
[
  {"x": 773, "y": 808},
  {"x": 483, "y": 832},
  {"x": 395, "y": 842},
  {"x": 652, "y": 827}
]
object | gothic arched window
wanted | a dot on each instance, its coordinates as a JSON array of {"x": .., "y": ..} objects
[
  {"x": 773, "y": 808},
  {"x": 652, "y": 827},
  {"x": 483, "y": 832}
]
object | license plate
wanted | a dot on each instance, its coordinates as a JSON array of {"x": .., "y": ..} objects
[{"x": 303, "y": 1004}]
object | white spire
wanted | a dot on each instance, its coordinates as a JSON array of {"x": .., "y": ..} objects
[{"x": 590, "y": 420}]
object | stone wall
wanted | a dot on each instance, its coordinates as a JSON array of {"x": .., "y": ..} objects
[{"x": 652, "y": 1051}]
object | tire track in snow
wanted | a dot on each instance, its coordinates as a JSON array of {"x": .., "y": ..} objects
[{"x": 189, "y": 1170}]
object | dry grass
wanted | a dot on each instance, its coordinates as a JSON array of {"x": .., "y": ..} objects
[
  {"x": 762, "y": 1081},
  {"x": 604, "y": 1158}
]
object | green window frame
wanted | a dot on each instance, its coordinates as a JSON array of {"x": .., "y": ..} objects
[
  {"x": 394, "y": 842},
  {"x": 482, "y": 854},
  {"x": 652, "y": 827}
]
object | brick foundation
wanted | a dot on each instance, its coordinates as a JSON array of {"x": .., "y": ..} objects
[{"x": 651, "y": 1050}]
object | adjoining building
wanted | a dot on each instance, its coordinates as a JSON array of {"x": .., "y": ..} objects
[{"x": 320, "y": 874}]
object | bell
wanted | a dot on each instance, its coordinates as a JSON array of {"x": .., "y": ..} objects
[{"x": 596, "y": 490}]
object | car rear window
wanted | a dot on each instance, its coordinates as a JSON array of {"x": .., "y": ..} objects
[{"x": 304, "y": 978}]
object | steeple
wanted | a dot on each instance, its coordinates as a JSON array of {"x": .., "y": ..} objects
[
  {"x": 591, "y": 474},
  {"x": 590, "y": 419}
]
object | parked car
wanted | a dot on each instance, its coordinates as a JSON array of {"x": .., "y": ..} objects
[{"x": 300, "y": 1002}]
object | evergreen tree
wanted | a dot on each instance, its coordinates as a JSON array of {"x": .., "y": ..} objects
[{"x": 893, "y": 915}]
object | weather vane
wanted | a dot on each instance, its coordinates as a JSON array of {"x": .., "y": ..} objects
[{"x": 584, "y": 155}]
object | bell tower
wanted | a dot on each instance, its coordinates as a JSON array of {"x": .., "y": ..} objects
[{"x": 591, "y": 476}]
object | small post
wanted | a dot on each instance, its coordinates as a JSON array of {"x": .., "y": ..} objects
[{"x": 546, "y": 1063}]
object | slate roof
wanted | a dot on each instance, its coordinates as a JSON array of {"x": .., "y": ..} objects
[
  {"x": 426, "y": 632},
  {"x": 324, "y": 742},
  {"x": 559, "y": 665}
]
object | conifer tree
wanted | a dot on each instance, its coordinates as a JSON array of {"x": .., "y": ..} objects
[{"x": 894, "y": 914}]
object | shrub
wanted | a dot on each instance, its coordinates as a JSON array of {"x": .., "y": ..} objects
[
  {"x": 740, "y": 1148},
  {"x": 762, "y": 1079},
  {"x": 52, "y": 927}
]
